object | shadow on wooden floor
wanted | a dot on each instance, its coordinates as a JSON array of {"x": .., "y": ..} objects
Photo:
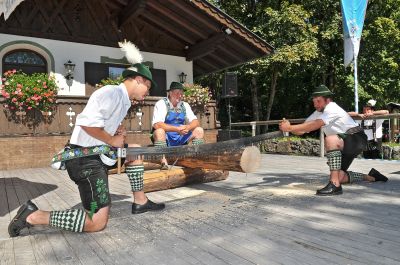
[{"x": 16, "y": 187}]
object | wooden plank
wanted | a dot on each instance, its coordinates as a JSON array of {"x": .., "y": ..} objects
[
  {"x": 200, "y": 221},
  {"x": 223, "y": 239},
  {"x": 267, "y": 217},
  {"x": 42, "y": 249},
  {"x": 6, "y": 245},
  {"x": 85, "y": 253},
  {"x": 330, "y": 242},
  {"x": 5, "y": 216},
  {"x": 6, "y": 252},
  {"x": 61, "y": 250},
  {"x": 23, "y": 251}
]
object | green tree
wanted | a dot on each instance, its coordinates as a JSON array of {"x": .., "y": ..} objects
[{"x": 308, "y": 38}]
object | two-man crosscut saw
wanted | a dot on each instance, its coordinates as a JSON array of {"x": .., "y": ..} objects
[{"x": 173, "y": 152}]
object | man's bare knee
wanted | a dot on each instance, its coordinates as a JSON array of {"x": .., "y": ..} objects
[
  {"x": 198, "y": 132},
  {"x": 159, "y": 134},
  {"x": 98, "y": 222},
  {"x": 333, "y": 142}
]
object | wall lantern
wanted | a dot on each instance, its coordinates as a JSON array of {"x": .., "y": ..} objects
[
  {"x": 69, "y": 70},
  {"x": 182, "y": 77}
]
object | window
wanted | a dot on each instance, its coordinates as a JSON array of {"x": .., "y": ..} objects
[
  {"x": 26, "y": 61},
  {"x": 95, "y": 72}
]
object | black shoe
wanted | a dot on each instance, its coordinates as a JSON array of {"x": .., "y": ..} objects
[
  {"x": 330, "y": 189},
  {"x": 19, "y": 221},
  {"x": 148, "y": 206},
  {"x": 377, "y": 175}
]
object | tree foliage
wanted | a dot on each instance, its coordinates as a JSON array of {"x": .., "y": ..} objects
[{"x": 308, "y": 40}]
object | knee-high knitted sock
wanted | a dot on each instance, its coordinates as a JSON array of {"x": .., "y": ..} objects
[
  {"x": 70, "y": 220},
  {"x": 160, "y": 143},
  {"x": 135, "y": 175},
  {"x": 334, "y": 159},
  {"x": 198, "y": 141},
  {"x": 355, "y": 176}
]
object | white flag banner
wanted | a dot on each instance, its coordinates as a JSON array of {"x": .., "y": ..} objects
[
  {"x": 8, "y": 6},
  {"x": 353, "y": 13}
]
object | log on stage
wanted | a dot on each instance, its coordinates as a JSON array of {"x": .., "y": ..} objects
[
  {"x": 156, "y": 179},
  {"x": 244, "y": 160}
]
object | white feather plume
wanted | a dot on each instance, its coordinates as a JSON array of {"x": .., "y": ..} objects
[
  {"x": 372, "y": 102},
  {"x": 132, "y": 52}
]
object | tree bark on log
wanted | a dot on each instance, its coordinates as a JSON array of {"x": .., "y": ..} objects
[
  {"x": 155, "y": 180},
  {"x": 177, "y": 177},
  {"x": 243, "y": 160}
]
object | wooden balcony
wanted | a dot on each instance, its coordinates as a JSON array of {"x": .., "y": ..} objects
[{"x": 31, "y": 139}]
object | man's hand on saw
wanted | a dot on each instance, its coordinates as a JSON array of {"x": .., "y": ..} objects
[
  {"x": 121, "y": 130},
  {"x": 284, "y": 125},
  {"x": 117, "y": 140}
]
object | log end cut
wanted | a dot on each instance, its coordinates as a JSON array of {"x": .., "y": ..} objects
[{"x": 250, "y": 160}]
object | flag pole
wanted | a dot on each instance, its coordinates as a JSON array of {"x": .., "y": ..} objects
[{"x": 355, "y": 85}]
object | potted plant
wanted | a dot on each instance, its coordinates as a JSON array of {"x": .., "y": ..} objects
[
  {"x": 197, "y": 96},
  {"x": 23, "y": 92}
]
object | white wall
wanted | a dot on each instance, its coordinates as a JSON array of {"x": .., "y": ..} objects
[{"x": 78, "y": 53}]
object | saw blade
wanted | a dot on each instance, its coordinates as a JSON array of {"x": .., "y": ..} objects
[{"x": 176, "y": 152}]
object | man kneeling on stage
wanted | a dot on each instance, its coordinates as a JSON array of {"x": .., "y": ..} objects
[
  {"x": 174, "y": 122},
  {"x": 344, "y": 140}
]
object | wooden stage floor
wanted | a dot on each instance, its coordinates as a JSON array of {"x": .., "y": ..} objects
[{"x": 269, "y": 217}]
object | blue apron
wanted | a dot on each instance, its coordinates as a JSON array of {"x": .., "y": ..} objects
[{"x": 176, "y": 117}]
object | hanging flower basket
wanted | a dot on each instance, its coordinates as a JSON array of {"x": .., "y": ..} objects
[
  {"x": 23, "y": 92},
  {"x": 197, "y": 96}
]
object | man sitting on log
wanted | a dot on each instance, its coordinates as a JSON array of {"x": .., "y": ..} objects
[
  {"x": 97, "y": 128},
  {"x": 344, "y": 140},
  {"x": 174, "y": 122}
]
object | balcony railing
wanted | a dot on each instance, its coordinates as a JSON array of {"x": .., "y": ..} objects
[{"x": 62, "y": 120}]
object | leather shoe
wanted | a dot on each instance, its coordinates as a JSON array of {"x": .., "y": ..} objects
[
  {"x": 19, "y": 221},
  {"x": 377, "y": 175},
  {"x": 148, "y": 206},
  {"x": 330, "y": 189}
]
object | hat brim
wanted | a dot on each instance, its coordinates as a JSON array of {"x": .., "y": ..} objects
[
  {"x": 129, "y": 73},
  {"x": 175, "y": 88},
  {"x": 321, "y": 94}
]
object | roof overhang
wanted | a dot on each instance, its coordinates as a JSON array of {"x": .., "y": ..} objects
[{"x": 194, "y": 29}]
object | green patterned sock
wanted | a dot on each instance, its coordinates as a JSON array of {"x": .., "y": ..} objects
[
  {"x": 355, "y": 176},
  {"x": 70, "y": 220},
  {"x": 135, "y": 175},
  {"x": 198, "y": 141},
  {"x": 160, "y": 143},
  {"x": 334, "y": 159}
]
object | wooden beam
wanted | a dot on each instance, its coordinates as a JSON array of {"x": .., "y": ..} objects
[
  {"x": 193, "y": 14},
  {"x": 100, "y": 26},
  {"x": 55, "y": 12},
  {"x": 220, "y": 58},
  {"x": 180, "y": 20},
  {"x": 205, "y": 47},
  {"x": 27, "y": 21},
  {"x": 169, "y": 29},
  {"x": 132, "y": 10},
  {"x": 241, "y": 48},
  {"x": 227, "y": 53},
  {"x": 112, "y": 19},
  {"x": 207, "y": 65}
]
